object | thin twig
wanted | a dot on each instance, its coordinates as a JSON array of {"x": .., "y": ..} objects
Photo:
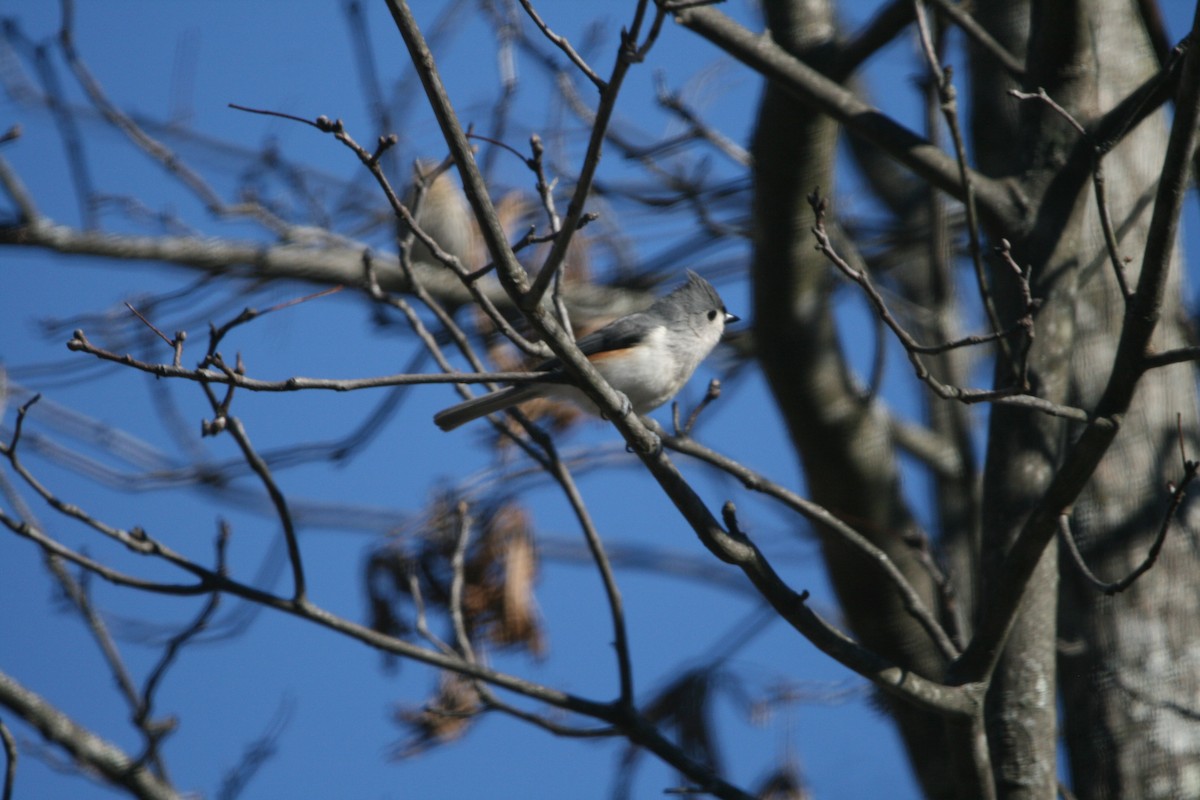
[
  {"x": 247, "y": 315},
  {"x": 629, "y": 53},
  {"x": 68, "y": 126},
  {"x": 562, "y": 475},
  {"x": 136, "y": 540},
  {"x": 492, "y": 702},
  {"x": 563, "y": 44},
  {"x": 156, "y": 731},
  {"x": 150, "y": 325},
  {"x": 461, "y": 341},
  {"x": 1178, "y": 493},
  {"x": 80, "y": 343},
  {"x": 673, "y": 102},
  {"x": 981, "y": 37},
  {"x": 77, "y": 592},
  {"x": 458, "y": 581},
  {"x": 169, "y": 160},
  {"x": 711, "y": 395},
  {"x": 408, "y": 217},
  {"x": 943, "y": 79},
  {"x": 236, "y": 429},
  {"x": 27, "y": 210},
  {"x": 913, "y": 348},
  {"x": 1099, "y": 185},
  {"x": 422, "y": 618}
]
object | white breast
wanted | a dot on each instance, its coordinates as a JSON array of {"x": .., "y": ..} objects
[{"x": 646, "y": 374}]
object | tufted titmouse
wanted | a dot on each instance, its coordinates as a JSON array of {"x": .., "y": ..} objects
[{"x": 648, "y": 356}]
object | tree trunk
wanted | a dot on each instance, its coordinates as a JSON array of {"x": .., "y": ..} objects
[{"x": 1128, "y": 670}]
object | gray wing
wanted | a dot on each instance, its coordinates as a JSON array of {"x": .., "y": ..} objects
[{"x": 619, "y": 334}]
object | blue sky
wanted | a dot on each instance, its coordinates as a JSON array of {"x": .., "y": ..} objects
[{"x": 331, "y": 697}]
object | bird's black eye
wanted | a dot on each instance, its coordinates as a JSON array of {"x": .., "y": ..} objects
[{"x": 712, "y": 314}]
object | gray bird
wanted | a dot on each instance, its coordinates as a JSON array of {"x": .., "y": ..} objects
[{"x": 648, "y": 356}]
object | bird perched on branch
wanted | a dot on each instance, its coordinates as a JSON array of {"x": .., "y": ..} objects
[{"x": 647, "y": 356}]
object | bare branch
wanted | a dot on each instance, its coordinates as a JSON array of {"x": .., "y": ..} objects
[
  {"x": 673, "y": 101},
  {"x": 563, "y": 44},
  {"x": 913, "y": 348},
  {"x": 1166, "y": 358},
  {"x": 235, "y": 428},
  {"x": 1178, "y": 492},
  {"x": 998, "y": 203},
  {"x": 81, "y": 343},
  {"x": 22, "y": 199},
  {"x": 170, "y": 342},
  {"x": 135, "y": 540},
  {"x": 821, "y": 516},
  {"x": 53, "y": 548},
  {"x": 409, "y": 218},
  {"x": 1098, "y": 183},
  {"x": 214, "y": 580},
  {"x": 711, "y": 395},
  {"x": 151, "y": 731},
  {"x": 255, "y": 754},
  {"x": 560, "y": 473},
  {"x": 628, "y": 54},
  {"x": 329, "y": 264},
  {"x": 978, "y": 34},
  {"x": 169, "y": 160},
  {"x": 949, "y": 101},
  {"x": 458, "y": 578},
  {"x": 882, "y": 29},
  {"x": 85, "y": 747},
  {"x": 511, "y": 273},
  {"x": 156, "y": 731}
]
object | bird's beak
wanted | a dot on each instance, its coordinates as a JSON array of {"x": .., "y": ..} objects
[{"x": 731, "y": 318}]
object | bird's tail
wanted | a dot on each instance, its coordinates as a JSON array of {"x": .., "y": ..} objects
[{"x": 450, "y": 418}]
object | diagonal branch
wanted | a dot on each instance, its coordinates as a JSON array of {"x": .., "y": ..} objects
[
  {"x": 998, "y": 203},
  {"x": 978, "y": 34},
  {"x": 511, "y": 273},
  {"x": 822, "y": 516},
  {"x": 85, "y": 747},
  {"x": 562, "y": 44},
  {"x": 628, "y": 53}
]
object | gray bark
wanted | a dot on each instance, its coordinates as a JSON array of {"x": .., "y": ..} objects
[{"x": 1128, "y": 674}]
